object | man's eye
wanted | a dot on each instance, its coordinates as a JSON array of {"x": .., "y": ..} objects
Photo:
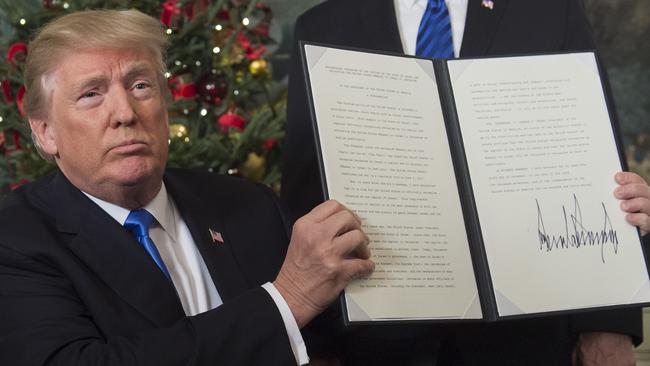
[
  {"x": 89, "y": 94},
  {"x": 141, "y": 85}
]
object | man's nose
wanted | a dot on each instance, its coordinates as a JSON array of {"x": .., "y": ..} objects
[{"x": 121, "y": 104}]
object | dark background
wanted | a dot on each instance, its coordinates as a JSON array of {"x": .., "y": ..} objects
[{"x": 622, "y": 30}]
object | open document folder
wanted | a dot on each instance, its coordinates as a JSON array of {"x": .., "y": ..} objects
[{"x": 485, "y": 185}]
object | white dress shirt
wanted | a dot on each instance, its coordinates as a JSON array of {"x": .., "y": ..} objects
[
  {"x": 409, "y": 13},
  {"x": 187, "y": 268}
]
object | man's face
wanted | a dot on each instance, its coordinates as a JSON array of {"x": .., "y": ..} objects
[{"x": 107, "y": 123}]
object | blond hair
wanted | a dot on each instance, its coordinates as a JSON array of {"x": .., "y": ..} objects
[{"x": 122, "y": 29}]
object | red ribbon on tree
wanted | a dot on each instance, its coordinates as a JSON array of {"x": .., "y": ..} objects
[
  {"x": 243, "y": 41},
  {"x": 14, "y": 50},
  {"x": 182, "y": 88},
  {"x": 230, "y": 119},
  {"x": 169, "y": 10},
  {"x": 17, "y": 144},
  {"x": 255, "y": 53},
  {"x": 6, "y": 91},
  {"x": 252, "y": 53},
  {"x": 2, "y": 139}
]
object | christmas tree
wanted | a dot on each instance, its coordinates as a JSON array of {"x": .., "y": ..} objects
[{"x": 227, "y": 113}]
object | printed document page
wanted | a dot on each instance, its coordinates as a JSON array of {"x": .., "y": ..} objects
[
  {"x": 386, "y": 156},
  {"x": 542, "y": 159}
]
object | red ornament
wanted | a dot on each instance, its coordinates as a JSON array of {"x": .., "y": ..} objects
[
  {"x": 17, "y": 51},
  {"x": 230, "y": 119},
  {"x": 169, "y": 11},
  {"x": 212, "y": 89},
  {"x": 182, "y": 87},
  {"x": 224, "y": 14},
  {"x": 251, "y": 52},
  {"x": 19, "y": 100},
  {"x": 269, "y": 143},
  {"x": 3, "y": 139}
]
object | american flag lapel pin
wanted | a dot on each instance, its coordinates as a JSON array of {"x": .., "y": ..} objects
[
  {"x": 216, "y": 236},
  {"x": 489, "y": 4}
]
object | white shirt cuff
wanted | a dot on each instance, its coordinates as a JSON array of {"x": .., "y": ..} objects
[{"x": 295, "y": 338}]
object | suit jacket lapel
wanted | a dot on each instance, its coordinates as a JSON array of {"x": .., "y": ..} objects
[
  {"x": 201, "y": 217},
  {"x": 379, "y": 20},
  {"x": 480, "y": 27},
  {"x": 114, "y": 255}
]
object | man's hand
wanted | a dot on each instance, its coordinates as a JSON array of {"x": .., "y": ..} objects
[
  {"x": 328, "y": 249},
  {"x": 603, "y": 349},
  {"x": 635, "y": 195}
]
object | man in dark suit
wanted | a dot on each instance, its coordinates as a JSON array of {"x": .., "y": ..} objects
[
  {"x": 115, "y": 261},
  {"x": 479, "y": 28}
]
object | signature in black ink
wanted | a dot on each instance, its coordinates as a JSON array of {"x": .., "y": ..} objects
[{"x": 575, "y": 234}]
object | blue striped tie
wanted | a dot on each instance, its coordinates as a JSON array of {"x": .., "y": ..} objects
[
  {"x": 138, "y": 223},
  {"x": 434, "y": 34}
]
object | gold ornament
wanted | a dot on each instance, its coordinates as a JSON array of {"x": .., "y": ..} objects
[
  {"x": 254, "y": 167},
  {"x": 239, "y": 77},
  {"x": 177, "y": 131},
  {"x": 259, "y": 68}
]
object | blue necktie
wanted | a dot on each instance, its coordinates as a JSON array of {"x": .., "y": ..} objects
[
  {"x": 434, "y": 34},
  {"x": 138, "y": 223}
]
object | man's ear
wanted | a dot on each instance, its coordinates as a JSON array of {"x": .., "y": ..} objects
[{"x": 44, "y": 136}]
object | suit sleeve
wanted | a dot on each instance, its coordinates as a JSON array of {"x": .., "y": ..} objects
[
  {"x": 301, "y": 185},
  {"x": 43, "y": 321},
  {"x": 324, "y": 333}
]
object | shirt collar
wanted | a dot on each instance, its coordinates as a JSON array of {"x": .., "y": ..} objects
[
  {"x": 422, "y": 3},
  {"x": 412, "y": 3},
  {"x": 161, "y": 207}
]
